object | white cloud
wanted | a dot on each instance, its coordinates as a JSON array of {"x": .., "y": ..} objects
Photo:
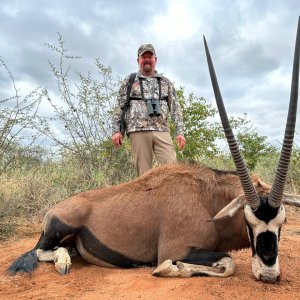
[
  {"x": 175, "y": 24},
  {"x": 251, "y": 42}
]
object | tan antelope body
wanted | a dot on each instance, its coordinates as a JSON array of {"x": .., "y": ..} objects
[
  {"x": 159, "y": 216},
  {"x": 182, "y": 217}
]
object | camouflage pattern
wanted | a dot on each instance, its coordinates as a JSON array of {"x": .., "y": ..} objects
[
  {"x": 144, "y": 48},
  {"x": 137, "y": 118}
]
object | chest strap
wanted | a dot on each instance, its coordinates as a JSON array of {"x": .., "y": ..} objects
[{"x": 142, "y": 88}]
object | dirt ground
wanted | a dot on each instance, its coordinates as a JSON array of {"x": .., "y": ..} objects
[{"x": 90, "y": 282}]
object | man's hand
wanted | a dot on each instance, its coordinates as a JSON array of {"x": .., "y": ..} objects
[
  {"x": 117, "y": 139},
  {"x": 180, "y": 141}
]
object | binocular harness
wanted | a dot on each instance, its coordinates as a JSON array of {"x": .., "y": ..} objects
[{"x": 153, "y": 105}]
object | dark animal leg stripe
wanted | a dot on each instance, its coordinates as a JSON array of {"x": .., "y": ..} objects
[
  {"x": 203, "y": 257},
  {"x": 100, "y": 251}
]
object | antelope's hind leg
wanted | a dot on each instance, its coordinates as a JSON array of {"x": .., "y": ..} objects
[
  {"x": 54, "y": 244},
  {"x": 56, "y": 234},
  {"x": 60, "y": 257},
  {"x": 197, "y": 263},
  {"x": 45, "y": 250}
]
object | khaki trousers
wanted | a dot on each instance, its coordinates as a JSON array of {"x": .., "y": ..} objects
[{"x": 145, "y": 143}]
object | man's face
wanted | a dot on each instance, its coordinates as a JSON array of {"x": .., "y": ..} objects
[{"x": 147, "y": 62}]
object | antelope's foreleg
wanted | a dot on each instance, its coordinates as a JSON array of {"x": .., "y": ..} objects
[
  {"x": 223, "y": 268},
  {"x": 197, "y": 263}
]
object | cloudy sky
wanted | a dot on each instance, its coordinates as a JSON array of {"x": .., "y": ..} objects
[{"x": 251, "y": 43}]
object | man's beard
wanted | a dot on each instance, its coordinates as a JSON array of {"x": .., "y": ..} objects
[{"x": 148, "y": 68}]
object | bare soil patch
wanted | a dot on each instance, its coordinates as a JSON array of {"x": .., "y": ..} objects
[{"x": 91, "y": 282}]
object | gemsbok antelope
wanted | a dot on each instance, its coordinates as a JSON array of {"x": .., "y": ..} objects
[{"x": 162, "y": 217}]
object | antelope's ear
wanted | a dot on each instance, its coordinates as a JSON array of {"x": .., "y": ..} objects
[
  {"x": 231, "y": 209},
  {"x": 259, "y": 184},
  {"x": 255, "y": 178}
]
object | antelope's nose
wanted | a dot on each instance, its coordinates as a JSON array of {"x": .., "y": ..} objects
[{"x": 269, "y": 259}]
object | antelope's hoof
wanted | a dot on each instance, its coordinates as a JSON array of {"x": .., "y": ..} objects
[
  {"x": 62, "y": 268},
  {"x": 225, "y": 265},
  {"x": 62, "y": 261},
  {"x": 164, "y": 268}
]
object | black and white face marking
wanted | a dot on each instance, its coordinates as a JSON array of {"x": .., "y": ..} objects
[{"x": 264, "y": 226}]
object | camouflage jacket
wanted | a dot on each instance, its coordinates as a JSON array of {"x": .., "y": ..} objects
[{"x": 137, "y": 118}]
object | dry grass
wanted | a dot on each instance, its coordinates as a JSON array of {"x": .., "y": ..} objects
[{"x": 26, "y": 195}]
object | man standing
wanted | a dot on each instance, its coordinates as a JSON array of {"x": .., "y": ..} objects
[{"x": 152, "y": 98}]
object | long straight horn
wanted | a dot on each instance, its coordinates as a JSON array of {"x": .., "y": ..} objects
[
  {"x": 249, "y": 191},
  {"x": 276, "y": 193}
]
